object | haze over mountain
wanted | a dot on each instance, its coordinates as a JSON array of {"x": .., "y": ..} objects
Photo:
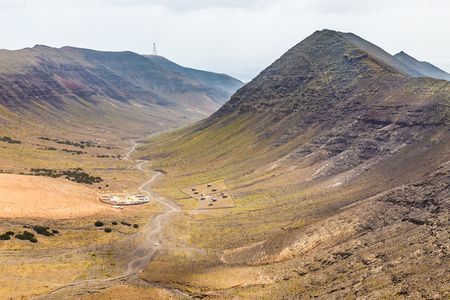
[
  {"x": 423, "y": 67},
  {"x": 222, "y": 83},
  {"x": 337, "y": 155},
  {"x": 72, "y": 85}
]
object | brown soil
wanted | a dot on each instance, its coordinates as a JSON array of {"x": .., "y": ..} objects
[{"x": 42, "y": 197}]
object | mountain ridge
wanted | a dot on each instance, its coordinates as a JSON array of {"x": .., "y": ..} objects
[{"x": 80, "y": 82}]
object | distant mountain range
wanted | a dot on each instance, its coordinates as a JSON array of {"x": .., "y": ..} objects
[
  {"x": 422, "y": 67},
  {"x": 338, "y": 156},
  {"x": 43, "y": 82},
  {"x": 222, "y": 84}
]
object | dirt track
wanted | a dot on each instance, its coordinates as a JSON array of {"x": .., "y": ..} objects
[{"x": 142, "y": 253}]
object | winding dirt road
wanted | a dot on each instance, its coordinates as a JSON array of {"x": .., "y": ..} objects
[{"x": 142, "y": 253}]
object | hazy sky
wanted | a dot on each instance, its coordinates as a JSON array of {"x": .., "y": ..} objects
[{"x": 237, "y": 37}]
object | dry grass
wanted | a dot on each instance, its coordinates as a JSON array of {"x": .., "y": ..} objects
[{"x": 128, "y": 292}]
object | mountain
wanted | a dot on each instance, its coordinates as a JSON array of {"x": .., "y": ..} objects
[
  {"x": 112, "y": 89},
  {"x": 223, "y": 85},
  {"x": 337, "y": 155},
  {"x": 424, "y": 68}
]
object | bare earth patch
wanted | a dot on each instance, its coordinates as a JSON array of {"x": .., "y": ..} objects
[{"x": 24, "y": 196}]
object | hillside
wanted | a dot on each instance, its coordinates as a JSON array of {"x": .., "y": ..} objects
[
  {"x": 324, "y": 151},
  {"x": 78, "y": 88}
]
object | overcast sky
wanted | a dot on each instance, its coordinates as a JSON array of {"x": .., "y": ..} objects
[{"x": 237, "y": 37}]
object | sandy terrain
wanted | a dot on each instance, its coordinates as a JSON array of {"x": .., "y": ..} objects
[{"x": 43, "y": 197}]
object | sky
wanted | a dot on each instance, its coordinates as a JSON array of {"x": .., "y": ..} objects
[{"x": 236, "y": 37}]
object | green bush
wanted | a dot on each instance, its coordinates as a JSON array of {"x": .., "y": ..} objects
[
  {"x": 55, "y": 231},
  {"x": 114, "y": 223},
  {"x": 99, "y": 224},
  {"x": 135, "y": 225},
  {"x": 9, "y": 233},
  {"x": 28, "y": 234},
  {"x": 42, "y": 230},
  {"x": 108, "y": 229},
  {"x": 4, "y": 237}
]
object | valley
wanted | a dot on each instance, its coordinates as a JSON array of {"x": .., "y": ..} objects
[{"x": 329, "y": 170}]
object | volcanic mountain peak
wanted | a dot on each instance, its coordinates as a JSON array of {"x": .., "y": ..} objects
[{"x": 327, "y": 70}]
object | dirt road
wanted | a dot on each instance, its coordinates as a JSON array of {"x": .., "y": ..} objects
[{"x": 141, "y": 255}]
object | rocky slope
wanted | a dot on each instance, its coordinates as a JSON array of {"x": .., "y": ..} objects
[{"x": 309, "y": 148}]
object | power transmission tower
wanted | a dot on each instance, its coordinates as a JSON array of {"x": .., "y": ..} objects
[{"x": 154, "y": 49}]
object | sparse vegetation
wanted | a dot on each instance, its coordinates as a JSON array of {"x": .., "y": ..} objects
[
  {"x": 43, "y": 230},
  {"x": 26, "y": 235},
  {"x": 9, "y": 140},
  {"x": 81, "y": 144},
  {"x": 75, "y": 175},
  {"x": 5, "y": 237}
]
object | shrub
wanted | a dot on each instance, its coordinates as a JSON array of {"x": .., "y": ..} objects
[
  {"x": 9, "y": 233},
  {"x": 99, "y": 224},
  {"x": 114, "y": 223},
  {"x": 135, "y": 225},
  {"x": 42, "y": 230},
  {"x": 108, "y": 229},
  {"x": 28, "y": 234},
  {"x": 125, "y": 223},
  {"x": 21, "y": 237},
  {"x": 4, "y": 237},
  {"x": 55, "y": 231}
]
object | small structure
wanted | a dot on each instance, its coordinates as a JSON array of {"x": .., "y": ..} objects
[
  {"x": 123, "y": 199},
  {"x": 217, "y": 193}
]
